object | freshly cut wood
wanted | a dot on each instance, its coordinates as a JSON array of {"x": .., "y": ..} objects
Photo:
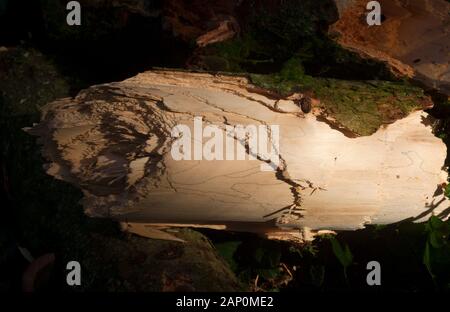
[{"x": 114, "y": 141}]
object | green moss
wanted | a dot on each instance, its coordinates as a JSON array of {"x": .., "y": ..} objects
[
  {"x": 272, "y": 35},
  {"x": 293, "y": 29},
  {"x": 235, "y": 54},
  {"x": 131, "y": 263},
  {"x": 288, "y": 49},
  {"x": 360, "y": 106},
  {"x": 30, "y": 80}
]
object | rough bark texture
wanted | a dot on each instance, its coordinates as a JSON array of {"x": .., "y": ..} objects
[{"x": 114, "y": 140}]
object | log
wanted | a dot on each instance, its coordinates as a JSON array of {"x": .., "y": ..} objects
[{"x": 116, "y": 143}]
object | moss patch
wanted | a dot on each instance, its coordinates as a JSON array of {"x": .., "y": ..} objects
[
  {"x": 271, "y": 36},
  {"x": 360, "y": 106},
  {"x": 131, "y": 263},
  {"x": 29, "y": 80}
]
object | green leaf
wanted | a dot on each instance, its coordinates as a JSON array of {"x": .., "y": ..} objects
[
  {"x": 435, "y": 223},
  {"x": 343, "y": 254},
  {"x": 427, "y": 259},
  {"x": 447, "y": 191},
  {"x": 227, "y": 250},
  {"x": 435, "y": 240},
  {"x": 438, "y": 232}
]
